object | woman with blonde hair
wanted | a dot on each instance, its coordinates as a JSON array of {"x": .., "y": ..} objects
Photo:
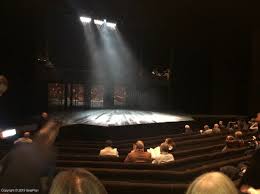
[
  {"x": 212, "y": 183},
  {"x": 76, "y": 181}
]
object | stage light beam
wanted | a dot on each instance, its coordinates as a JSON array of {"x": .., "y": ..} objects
[
  {"x": 99, "y": 22},
  {"x": 111, "y": 25},
  {"x": 85, "y": 20}
]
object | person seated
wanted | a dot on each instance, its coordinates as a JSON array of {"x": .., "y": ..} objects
[
  {"x": 239, "y": 138},
  {"x": 253, "y": 126},
  {"x": 164, "y": 156},
  {"x": 251, "y": 190},
  {"x": 242, "y": 125},
  {"x": 216, "y": 129},
  {"x": 212, "y": 183},
  {"x": 155, "y": 152},
  {"x": 109, "y": 150},
  {"x": 221, "y": 125},
  {"x": 171, "y": 144},
  {"x": 139, "y": 155},
  {"x": 76, "y": 181},
  {"x": 188, "y": 129},
  {"x": 230, "y": 144},
  {"x": 235, "y": 127},
  {"x": 206, "y": 131},
  {"x": 232, "y": 126},
  {"x": 25, "y": 139},
  {"x": 251, "y": 177},
  {"x": 43, "y": 120},
  {"x": 231, "y": 171}
]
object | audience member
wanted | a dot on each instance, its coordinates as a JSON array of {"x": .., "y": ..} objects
[
  {"x": 252, "y": 191},
  {"x": 221, "y": 125},
  {"x": 43, "y": 120},
  {"x": 231, "y": 171},
  {"x": 216, "y": 129},
  {"x": 109, "y": 150},
  {"x": 76, "y": 181},
  {"x": 239, "y": 138},
  {"x": 212, "y": 183},
  {"x": 164, "y": 156},
  {"x": 232, "y": 126},
  {"x": 139, "y": 155},
  {"x": 155, "y": 152},
  {"x": 25, "y": 139},
  {"x": 242, "y": 125},
  {"x": 30, "y": 165},
  {"x": 171, "y": 144},
  {"x": 230, "y": 143},
  {"x": 206, "y": 131},
  {"x": 257, "y": 119},
  {"x": 253, "y": 127},
  {"x": 188, "y": 129},
  {"x": 252, "y": 176}
]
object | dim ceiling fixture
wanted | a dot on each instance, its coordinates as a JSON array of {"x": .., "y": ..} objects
[{"x": 85, "y": 19}]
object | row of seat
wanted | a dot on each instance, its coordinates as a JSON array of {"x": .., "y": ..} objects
[
  {"x": 153, "y": 181},
  {"x": 186, "y": 163}
]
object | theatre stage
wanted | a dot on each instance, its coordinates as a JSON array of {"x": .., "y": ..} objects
[{"x": 120, "y": 117}]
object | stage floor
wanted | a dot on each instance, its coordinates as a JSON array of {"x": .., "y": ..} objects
[{"x": 119, "y": 117}]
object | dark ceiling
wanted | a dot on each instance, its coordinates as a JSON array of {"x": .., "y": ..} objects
[{"x": 161, "y": 24}]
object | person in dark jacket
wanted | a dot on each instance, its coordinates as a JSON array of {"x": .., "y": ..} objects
[{"x": 26, "y": 166}]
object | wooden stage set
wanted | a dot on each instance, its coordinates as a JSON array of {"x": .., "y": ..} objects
[{"x": 120, "y": 123}]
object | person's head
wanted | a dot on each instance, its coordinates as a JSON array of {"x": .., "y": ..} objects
[
  {"x": 220, "y": 122},
  {"x": 3, "y": 84},
  {"x": 170, "y": 143},
  {"x": 213, "y": 183},
  {"x": 206, "y": 127},
  {"x": 139, "y": 145},
  {"x": 238, "y": 134},
  {"x": 44, "y": 115},
  {"x": 235, "y": 126},
  {"x": 109, "y": 143},
  {"x": 76, "y": 181},
  {"x": 164, "y": 147},
  {"x": 216, "y": 126},
  {"x": 187, "y": 127},
  {"x": 230, "y": 138},
  {"x": 230, "y": 141},
  {"x": 27, "y": 134},
  {"x": 257, "y": 119}
]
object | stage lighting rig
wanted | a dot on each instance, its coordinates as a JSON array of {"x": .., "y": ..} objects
[
  {"x": 99, "y": 22},
  {"x": 85, "y": 20},
  {"x": 111, "y": 25}
]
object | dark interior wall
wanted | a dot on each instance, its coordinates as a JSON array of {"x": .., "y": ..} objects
[
  {"x": 20, "y": 37},
  {"x": 212, "y": 58},
  {"x": 190, "y": 80},
  {"x": 254, "y": 79},
  {"x": 230, "y": 61}
]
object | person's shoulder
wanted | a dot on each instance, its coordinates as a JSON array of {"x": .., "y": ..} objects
[{"x": 148, "y": 154}]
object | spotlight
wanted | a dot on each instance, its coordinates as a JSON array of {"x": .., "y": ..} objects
[
  {"x": 111, "y": 25},
  {"x": 99, "y": 22},
  {"x": 85, "y": 19}
]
